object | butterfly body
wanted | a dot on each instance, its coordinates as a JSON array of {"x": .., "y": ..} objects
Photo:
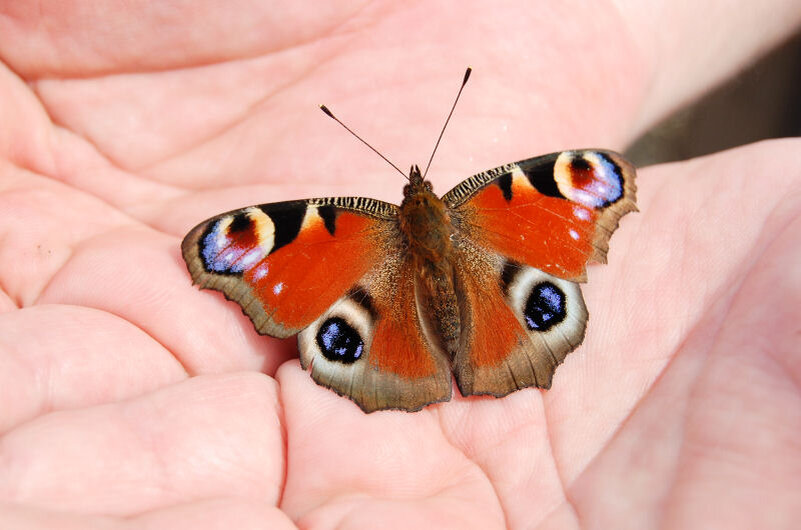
[
  {"x": 426, "y": 225},
  {"x": 390, "y": 302}
]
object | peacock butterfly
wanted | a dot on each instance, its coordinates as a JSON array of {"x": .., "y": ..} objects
[{"x": 388, "y": 301}]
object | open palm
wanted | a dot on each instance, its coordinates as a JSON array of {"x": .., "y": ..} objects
[{"x": 127, "y": 394}]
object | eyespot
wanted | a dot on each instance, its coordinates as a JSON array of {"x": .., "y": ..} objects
[
  {"x": 545, "y": 307},
  {"x": 340, "y": 337},
  {"x": 590, "y": 178},
  {"x": 339, "y": 341},
  {"x": 544, "y": 304},
  {"x": 235, "y": 243}
]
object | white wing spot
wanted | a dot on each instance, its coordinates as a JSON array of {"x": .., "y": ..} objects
[
  {"x": 261, "y": 271},
  {"x": 581, "y": 213}
]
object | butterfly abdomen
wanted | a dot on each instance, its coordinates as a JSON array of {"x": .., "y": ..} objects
[{"x": 425, "y": 222}]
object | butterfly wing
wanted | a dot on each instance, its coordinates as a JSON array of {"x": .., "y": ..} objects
[
  {"x": 554, "y": 212},
  {"x": 371, "y": 345},
  {"x": 330, "y": 269},
  {"x": 528, "y": 230}
]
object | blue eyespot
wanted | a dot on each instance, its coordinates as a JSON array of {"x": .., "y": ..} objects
[
  {"x": 545, "y": 307},
  {"x": 339, "y": 341}
]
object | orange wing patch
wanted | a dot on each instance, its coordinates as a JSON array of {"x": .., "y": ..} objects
[
  {"x": 301, "y": 280},
  {"x": 286, "y": 263},
  {"x": 398, "y": 344},
  {"x": 548, "y": 233}
]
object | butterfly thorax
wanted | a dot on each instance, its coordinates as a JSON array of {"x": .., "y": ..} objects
[{"x": 425, "y": 222}]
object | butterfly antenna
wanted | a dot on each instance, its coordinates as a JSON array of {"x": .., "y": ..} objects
[
  {"x": 331, "y": 115},
  {"x": 464, "y": 82}
]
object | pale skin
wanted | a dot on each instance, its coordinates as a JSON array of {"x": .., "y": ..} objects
[{"x": 132, "y": 399}]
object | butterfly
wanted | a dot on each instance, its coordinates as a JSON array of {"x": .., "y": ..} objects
[{"x": 390, "y": 302}]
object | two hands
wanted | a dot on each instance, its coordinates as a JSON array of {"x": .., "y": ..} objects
[{"x": 129, "y": 396}]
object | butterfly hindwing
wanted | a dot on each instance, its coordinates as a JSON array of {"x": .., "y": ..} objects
[
  {"x": 371, "y": 345},
  {"x": 520, "y": 323}
]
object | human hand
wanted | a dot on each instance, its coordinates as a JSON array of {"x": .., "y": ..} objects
[{"x": 129, "y": 395}]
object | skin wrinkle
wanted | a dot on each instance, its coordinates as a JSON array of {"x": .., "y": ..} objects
[
  {"x": 63, "y": 128},
  {"x": 787, "y": 227},
  {"x": 47, "y": 379},
  {"x": 485, "y": 473},
  {"x": 621, "y": 427},
  {"x": 243, "y": 116},
  {"x": 137, "y": 68},
  {"x": 72, "y": 254},
  {"x": 234, "y": 122},
  {"x": 148, "y": 441},
  {"x": 670, "y": 492},
  {"x": 501, "y": 441},
  {"x": 246, "y": 114},
  {"x": 74, "y": 250},
  {"x": 282, "y": 425},
  {"x": 565, "y": 492},
  {"x": 93, "y": 195},
  {"x": 5, "y": 300},
  {"x": 785, "y": 367},
  {"x": 46, "y": 285},
  {"x": 666, "y": 367}
]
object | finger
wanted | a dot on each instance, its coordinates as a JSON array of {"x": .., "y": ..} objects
[
  {"x": 62, "y": 357},
  {"x": 6, "y": 303},
  {"x": 67, "y": 247},
  {"x": 43, "y": 221},
  {"x": 347, "y": 468},
  {"x": 138, "y": 275},
  {"x": 125, "y": 38},
  {"x": 210, "y": 436}
]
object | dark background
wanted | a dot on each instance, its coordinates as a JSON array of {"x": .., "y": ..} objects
[{"x": 761, "y": 102}]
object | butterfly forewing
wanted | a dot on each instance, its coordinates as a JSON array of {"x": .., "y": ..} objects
[
  {"x": 554, "y": 212},
  {"x": 275, "y": 260}
]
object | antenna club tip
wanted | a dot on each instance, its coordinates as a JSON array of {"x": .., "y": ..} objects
[
  {"x": 467, "y": 74},
  {"x": 325, "y": 109}
]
